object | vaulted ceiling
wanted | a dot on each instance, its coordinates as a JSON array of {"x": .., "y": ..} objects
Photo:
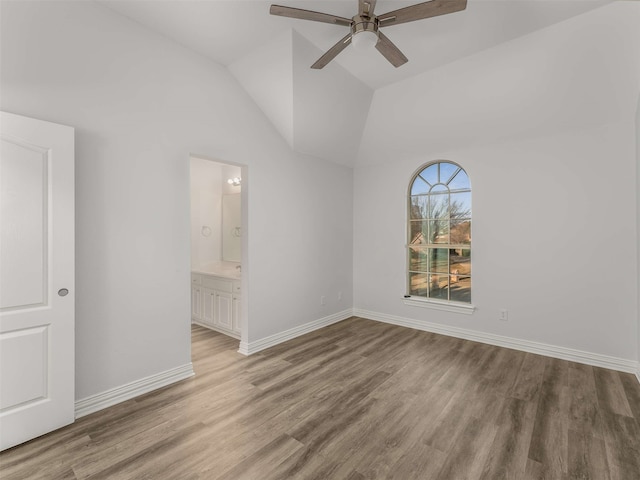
[{"x": 323, "y": 112}]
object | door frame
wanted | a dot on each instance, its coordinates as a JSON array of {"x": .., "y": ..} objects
[{"x": 244, "y": 283}]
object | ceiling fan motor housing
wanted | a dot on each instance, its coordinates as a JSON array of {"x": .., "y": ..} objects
[{"x": 362, "y": 23}]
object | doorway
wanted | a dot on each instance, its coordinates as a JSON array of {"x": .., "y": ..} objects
[{"x": 218, "y": 245}]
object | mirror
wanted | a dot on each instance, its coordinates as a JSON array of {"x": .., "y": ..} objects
[{"x": 231, "y": 228}]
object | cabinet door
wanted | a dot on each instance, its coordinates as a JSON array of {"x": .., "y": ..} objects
[
  {"x": 208, "y": 306},
  {"x": 196, "y": 302},
  {"x": 236, "y": 314},
  {"x": 224, "y": 308}
]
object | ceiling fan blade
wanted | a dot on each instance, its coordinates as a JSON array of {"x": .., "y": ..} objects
[
  {"x": 390, "y": 51},
  {"x": 308, "y": 15},
  {"x": 332, "y": 52},
  {"x": 366, "y": 7},
  {"x": 433, "y": 8}
]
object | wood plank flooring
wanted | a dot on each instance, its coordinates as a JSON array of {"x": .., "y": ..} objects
[{"x": 357, "y": 400}]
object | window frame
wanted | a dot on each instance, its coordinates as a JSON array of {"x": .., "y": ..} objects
[{"x": 456, "y": 306}]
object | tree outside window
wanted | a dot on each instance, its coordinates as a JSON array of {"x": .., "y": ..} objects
[{"x": 439, "y": 233}]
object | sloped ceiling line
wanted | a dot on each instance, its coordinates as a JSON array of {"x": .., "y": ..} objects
[{"x": 321, "y": 114}]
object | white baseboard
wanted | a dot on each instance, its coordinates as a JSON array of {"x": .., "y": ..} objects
[
  {"x": 249, "y": 348},
  {"x": 216, "y": 329},
  {"x": 128, "y": 391},
  {"x": 578, "y": 356}
]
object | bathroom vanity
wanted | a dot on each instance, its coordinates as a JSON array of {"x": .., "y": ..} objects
[{"x": 215, "y": 297}]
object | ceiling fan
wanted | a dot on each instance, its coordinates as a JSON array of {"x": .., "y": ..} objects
[{"x": 364, "y": 26}]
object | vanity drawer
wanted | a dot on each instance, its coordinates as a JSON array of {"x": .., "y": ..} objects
[
  {"x": 236, "y": 287},
  {"x": 196, "y": 279},
  {"x": 217, "y": 283}
]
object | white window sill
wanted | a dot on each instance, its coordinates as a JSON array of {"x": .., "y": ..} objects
[{"x": 464, "y": 308}]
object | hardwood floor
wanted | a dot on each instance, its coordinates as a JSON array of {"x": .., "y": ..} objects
[{"x": 357, "y": 400}]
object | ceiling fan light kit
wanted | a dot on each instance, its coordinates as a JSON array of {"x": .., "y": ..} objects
[
  {"x": 364, "y": 33},
  {"x": 365, "y": 25}
]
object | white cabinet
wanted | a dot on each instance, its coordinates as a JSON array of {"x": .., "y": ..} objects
[
  {"x": 235, "y": 310},
  {"x": 236, "y": 313},
  {"x": 215, "y": 303},
  {"x": 196, "y": 298},
  {"x": 208, "y": 306},
  {"x": 223, "y": 310}
]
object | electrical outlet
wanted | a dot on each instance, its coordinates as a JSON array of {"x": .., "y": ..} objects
[
  {"x": 323, "y": 300},
  {"x": 339, "y": 296},
  {"x": 503, "y": 315}
]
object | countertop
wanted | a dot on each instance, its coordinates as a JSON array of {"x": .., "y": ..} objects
[{"x": 220, "y": 269}]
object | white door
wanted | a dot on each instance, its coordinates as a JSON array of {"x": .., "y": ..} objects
[{"x": 37, "y": 291}]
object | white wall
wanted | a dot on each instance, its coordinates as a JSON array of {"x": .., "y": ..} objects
[
  {"x": 318, "y": 112},
  {"x": 306, "y": 213},
  {"x": 266, "y": 73},
  {"x": 544, "y": 125},
  {"x": 206, "y": 211},
  {"x": 576, "y": 74},
  {"x": 553, "y": 242},
  {"x": 140, "y": 105},
  {"x": 330, "y": 106},
  {"x": 638, "y": 222}
]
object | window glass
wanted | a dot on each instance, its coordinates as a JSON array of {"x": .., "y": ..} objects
[
  {"x": 419, "y": 187},
  {"x": 461, "y": 205},
  {"x": 447, "y": 171},
  {"x": 419, "y": 207},
  {"x": 430, "y": 174},
  {"x": 460, "y": 182},
  {"x": 439, "y": 230},
  {"x": 439, "y": 205}
]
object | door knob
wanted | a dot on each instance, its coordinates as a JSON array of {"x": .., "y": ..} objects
[{"x": 63, "y": 292}]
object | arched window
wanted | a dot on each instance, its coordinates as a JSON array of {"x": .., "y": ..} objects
[{"x": 439, "y": 233}]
